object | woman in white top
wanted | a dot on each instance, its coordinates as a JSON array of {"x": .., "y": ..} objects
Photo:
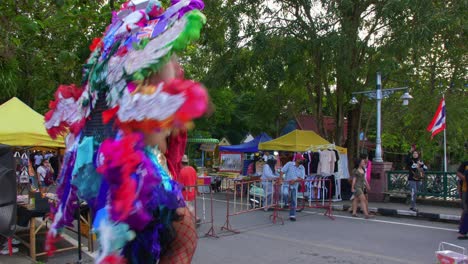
[
  {"x": 267, "y": 182},
  {"x": 43, "y": 171}
]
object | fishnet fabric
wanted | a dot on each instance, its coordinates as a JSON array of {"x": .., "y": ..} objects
[{"x": 182, "y": 249}]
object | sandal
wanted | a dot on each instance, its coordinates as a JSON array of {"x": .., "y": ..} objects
[
  {"x": 370, "y": 216},
  {"x": 354, "y": 215}
]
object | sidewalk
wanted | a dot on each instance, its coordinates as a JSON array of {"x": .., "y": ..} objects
[{"x": 427, "y": 212}]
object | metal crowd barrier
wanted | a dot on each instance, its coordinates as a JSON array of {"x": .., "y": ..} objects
[
  {"x": 203, "y": 195},
  {"x": 249, "y": 196}
]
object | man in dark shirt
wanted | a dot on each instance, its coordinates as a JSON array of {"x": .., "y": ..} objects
[
  {"x": 54, "y": 162},
  {"x": 462, "y": 174}
]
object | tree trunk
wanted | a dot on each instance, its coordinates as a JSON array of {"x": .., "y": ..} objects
[
  {"x": 318, "y": 109},
  {"x": 319, "y": 92},
  {"x": 346, "y": 59},
  {"x": 354, "y": 120}
]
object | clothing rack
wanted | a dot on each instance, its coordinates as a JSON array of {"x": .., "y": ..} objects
[
  {"x": 337, "y": 190},
  {"x": 321, "y": 147}
]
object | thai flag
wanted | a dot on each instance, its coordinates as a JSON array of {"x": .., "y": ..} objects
[{"x": 438, "y": 122}]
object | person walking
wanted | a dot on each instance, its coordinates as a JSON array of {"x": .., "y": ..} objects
[
  {"x": 294, "y": 172},
  {"x": 416, "y": 168},
  {"x": 357, "y": 187},
  {"x": 268, "y": 178},
  {"x": 367, "y": 170},
  {"x": 188, "y": 177},
  {"x": 462, "y": 174}
]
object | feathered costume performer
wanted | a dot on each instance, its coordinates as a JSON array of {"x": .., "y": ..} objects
[{"x": 133, "y": 107}]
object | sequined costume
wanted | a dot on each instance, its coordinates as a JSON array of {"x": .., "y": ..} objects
[{"x": 125, "y": 98}]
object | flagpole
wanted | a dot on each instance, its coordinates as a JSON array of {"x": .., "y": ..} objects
[
  {"x": 438, "y": 124},
  {"x": 445, "y": 151},
  {"x": 445, "y": 143}
]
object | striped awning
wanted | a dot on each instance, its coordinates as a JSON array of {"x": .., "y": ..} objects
[{"x": 203, "y": 140}]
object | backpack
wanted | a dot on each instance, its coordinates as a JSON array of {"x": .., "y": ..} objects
[{"x": 49, "y": 178}]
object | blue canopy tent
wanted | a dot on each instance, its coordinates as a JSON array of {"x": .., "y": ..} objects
[{"x": 249, "y": 147}]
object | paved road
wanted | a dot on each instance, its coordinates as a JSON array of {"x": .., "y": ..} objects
[
  {"x": 314, "y": 238},
  {"x": 317, "y": 239}
]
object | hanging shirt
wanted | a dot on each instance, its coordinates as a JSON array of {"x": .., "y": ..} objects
[
  {"x": 337, "y": 159},
  {"x": 307, "y": 163},
  {"x": 315, "y": 159},
  {"x": 327, "y": 162},
  {"x": 344, "y": 166},
  {"x": 368, "y": 171}
]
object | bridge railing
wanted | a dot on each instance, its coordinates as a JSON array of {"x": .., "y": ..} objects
[{"x": 435, "y": 185}]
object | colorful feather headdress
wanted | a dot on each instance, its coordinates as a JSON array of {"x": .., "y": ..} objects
[
  {"x": 140, "y": 40},
  {"x": 131, "y": 195}
]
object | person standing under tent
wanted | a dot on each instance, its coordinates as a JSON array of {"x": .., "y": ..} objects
[
  {"x": 358, "y": 185},
  {"x": 45, "y": 175},
  {"x": 267, "y": 156},
  {"x": 268, "y": 178},
  {"x": 462, "y": 174},
  {"x": 48, "y": 155},
  {"x": 38, "y": 157},
  {"x": 54, "y": 162},
  {"x": 294, "y": 172},
  {"x": 416, "y": 169}
]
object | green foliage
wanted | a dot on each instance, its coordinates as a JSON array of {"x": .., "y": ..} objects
[
  {"x": 46, "y": 44},
  {"x": 264, "y": 64}
]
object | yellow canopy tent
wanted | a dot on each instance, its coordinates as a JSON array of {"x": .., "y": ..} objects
[
  {"x": 22, "y": 126},
  {"x": 297, "y": 140}
]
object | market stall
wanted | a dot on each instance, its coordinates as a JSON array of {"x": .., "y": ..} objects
[
  {"x": 249, "y": 147},
  {"x": 242, "y": 150},
  {"x": 24, "y": 127},
  {"x": 322, "y": 158},
  {"x": 206, "y": 145},
  {"x": 236, "y": 159},
  {"x": 24, "y": 130}
]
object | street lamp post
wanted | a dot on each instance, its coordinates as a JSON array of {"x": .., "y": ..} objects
[
  {"x": 378, "y": 139},
  {"x": 378, "y": 95}
]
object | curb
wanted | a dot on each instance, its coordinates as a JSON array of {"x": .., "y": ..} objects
[{"x": 406, "y": 213}]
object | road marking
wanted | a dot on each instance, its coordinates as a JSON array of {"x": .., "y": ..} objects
[
  {"x": 340, "y": 249},
  {"x": 376, "y": 220},
  {"x": 391, "y": 222}
]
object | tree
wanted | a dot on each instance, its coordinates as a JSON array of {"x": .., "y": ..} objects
[{"x": 46, "y": 44}]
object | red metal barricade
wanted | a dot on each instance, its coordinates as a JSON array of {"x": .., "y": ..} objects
[
  {"x": 199, "y": 205},
  {"x": 315, "y": 193},
  {"x": 320, "y": 195},
  {"x": 244, "y": 197}
]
